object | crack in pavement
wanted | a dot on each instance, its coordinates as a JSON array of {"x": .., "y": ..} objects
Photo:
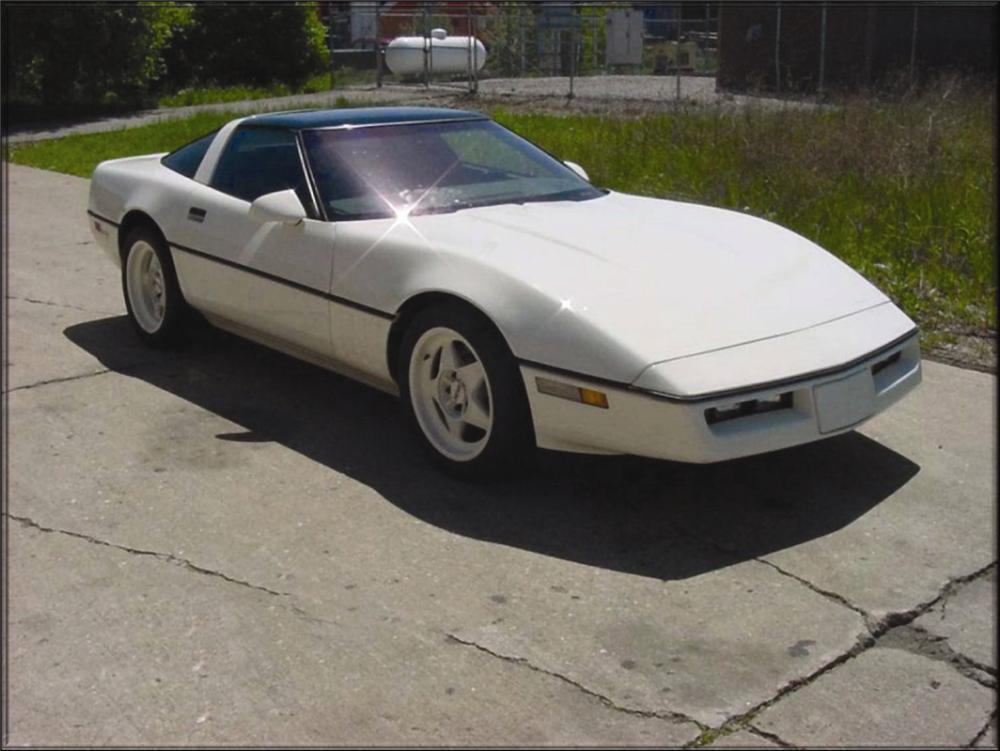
[
  {"x": 708, "y": 738},
  {"x": 773, "y": 737},
  {"x": 863, "y": 644},
  {"x": 63, "y": 379},
  {"x": 129, "y": 369},
  {"x": 167, "y": 557},
  {"x": 54, "y": 304},
  {"x": 984, "y": 730},
  {"x": 830, "y": 595},
  {"x": 176, "y": 560},
  {"x": 673, "y": 717},
  {"x": 877, "y": 627},
  {"x": 902, "y": 618},
  {"x": 916, "y": 640}
]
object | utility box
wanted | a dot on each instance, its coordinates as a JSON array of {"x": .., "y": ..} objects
[{"x": 624, "y": 37}]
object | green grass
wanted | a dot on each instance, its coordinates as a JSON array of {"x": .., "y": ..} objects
[
  {"x": 220, "y": 94},
  {"x": 78, "y": 155},
  {"x": 903, "y": 191}
]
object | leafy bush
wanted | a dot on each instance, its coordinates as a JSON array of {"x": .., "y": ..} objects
[
  {"x": 106, "y": 55},
  {"x": 251, "y": 44},
  {"x": 92, "y": 57}
]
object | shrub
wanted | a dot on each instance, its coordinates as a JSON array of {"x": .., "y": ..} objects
[
  {"x": 61, "y": 55},
  {"x": 249, "y": 43}
]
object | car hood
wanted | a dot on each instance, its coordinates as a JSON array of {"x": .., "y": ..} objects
[{"x": 663, "y": 279}]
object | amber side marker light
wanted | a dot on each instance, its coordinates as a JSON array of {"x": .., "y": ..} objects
[{"x": 571, "y": 392}]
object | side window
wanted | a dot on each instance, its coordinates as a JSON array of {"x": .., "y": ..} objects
[
  {"x": 257, "y": 161},
  {"x": 187, "y": 158}
]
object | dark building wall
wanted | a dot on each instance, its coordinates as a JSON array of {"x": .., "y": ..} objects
[{"x": 863, "y": 43}]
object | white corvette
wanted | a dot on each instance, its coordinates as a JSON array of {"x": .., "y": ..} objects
[{"x": 436, "y": 255}]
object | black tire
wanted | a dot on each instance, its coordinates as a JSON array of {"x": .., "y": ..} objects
[
  {"x": 510, "y": 444},
  {"x": 171, "y": 330}
]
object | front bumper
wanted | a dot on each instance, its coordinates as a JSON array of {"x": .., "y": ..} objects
[{"x": 646, "y": 424}]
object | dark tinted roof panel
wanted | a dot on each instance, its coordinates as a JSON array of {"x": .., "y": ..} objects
[{"x": 308, "y": 119}]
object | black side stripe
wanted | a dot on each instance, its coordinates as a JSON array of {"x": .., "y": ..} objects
[
  {"x": 103, "y": 219},
  {"x": 263, "y": 274},
  {"x": 286, "y": 282}
]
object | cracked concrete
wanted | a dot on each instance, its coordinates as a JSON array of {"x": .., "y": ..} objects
[
  {"x": 167, "y": 557},
  {"x": 136, "y": 652},
  {"x": 214, "y": 549},
  {"x": 964, "y": 617},
  {"x": 669, "y": 716},
  {"x": 47, "y": 381},
  {"x": 913, "y": 639},
  {"x": 882, "y": 697},
  {"x": 54, "y": 304},
  {"x": 987, "y": 737},
  {"x": 743, "y": 738}
]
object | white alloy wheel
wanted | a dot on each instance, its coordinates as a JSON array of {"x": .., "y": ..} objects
[
  {"x": 451, "y": 394},
  {"x": 147, "y": 291}
]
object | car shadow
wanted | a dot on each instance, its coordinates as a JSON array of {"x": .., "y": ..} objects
[{"x": 653, "y": 518}]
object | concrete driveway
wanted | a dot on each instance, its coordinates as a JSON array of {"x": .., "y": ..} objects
[{"x": 226, "y": 546}]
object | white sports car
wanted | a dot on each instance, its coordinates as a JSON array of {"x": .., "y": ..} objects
[{"x": 510, "y": 303}]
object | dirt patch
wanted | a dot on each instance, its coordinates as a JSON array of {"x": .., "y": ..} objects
[{"x": 976, "y": 350}]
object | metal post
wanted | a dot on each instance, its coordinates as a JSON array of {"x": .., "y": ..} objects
[
  {"x": 427, "y": 52},
  {"x": 677, "y": 54},
  {"x": 704, "y": 39},
  {"x": 520, "y": 27},
  {"x": 594, "y": 34},
  {"x": 777, "y": 51},
  {"x": 331, "y": 43},
  {"x": 822, "y": 48},
  {"x": 475, "y": 57},
  {"x": 913, "y": 47},
  {"x": 572, "y": 60},
  {"x": 472, "y": 43},
  {"x": 378, "y": 51}
]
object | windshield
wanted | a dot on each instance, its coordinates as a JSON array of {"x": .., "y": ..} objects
[{"x": 386, "y": 171}]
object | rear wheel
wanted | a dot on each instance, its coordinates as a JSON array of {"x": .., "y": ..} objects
[
  {"x": 464, "y": 393},
  {"x": 152, "y": 295}
]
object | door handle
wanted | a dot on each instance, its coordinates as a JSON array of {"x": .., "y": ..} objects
[{"x": 196, "y": 215}]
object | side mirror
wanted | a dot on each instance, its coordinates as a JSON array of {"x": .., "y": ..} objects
[
  {"x": 578, "y": 170},
  {"x": 283, "y": 206}
]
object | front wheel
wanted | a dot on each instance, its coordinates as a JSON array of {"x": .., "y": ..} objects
[{"x": 463, "y": 391}]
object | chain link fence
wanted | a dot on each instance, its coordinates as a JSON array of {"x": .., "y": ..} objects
[{"x": 530, "y": 48}]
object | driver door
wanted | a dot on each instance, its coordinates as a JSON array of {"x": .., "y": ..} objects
[{"x": 269, "y": 277}]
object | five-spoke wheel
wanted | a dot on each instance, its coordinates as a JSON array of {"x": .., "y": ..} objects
[
  {"x": 464, "y": 392},
  {"x": 451, "y": 394}
]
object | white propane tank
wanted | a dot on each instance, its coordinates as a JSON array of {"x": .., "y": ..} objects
[{"x": 447, "y": 54}]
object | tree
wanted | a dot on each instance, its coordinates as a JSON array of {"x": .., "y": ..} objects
[
  {"x": 253, "y": 43},
  {"x": 95, "y": 54}
]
